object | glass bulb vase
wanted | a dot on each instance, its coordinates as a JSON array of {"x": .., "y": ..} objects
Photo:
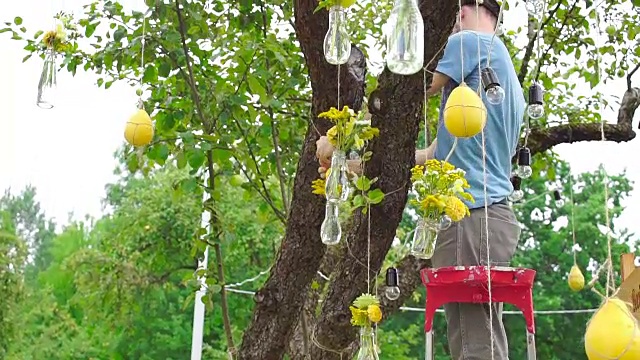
[
  {"x": 337, "y": 183},
  {"x": 424, "y": 238},
  {"x": 367, "y": 345},
  {"x": 405, "y": 40},
  {"x": 337, "y": 44},
  {"x": 48, "y": 81}
]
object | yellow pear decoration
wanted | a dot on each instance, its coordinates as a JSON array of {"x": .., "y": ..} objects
[
  {"x": 576, "y": 279},
  {"x": 139, "y": 129},
  {"x": 613, "y": 333},
  {"x": 464, "y": 113}
]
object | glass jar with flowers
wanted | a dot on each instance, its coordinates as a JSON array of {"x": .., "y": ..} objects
[
  {"x": 365, "y": 313},
  {"x": 440, "y": 190}
]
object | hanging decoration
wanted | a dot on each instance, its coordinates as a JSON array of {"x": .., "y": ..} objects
[
  {"x": 517, "y": 194},
  {"x": 337, "y": 43},
  {"x": 464, "y": 113},
  {"x": 613, "y": 333},
  {"x": 405, "y": 39},
  {"x": 139, "y": 129},
  {"x": 557, "y": 197},
  {"x": 576, "y": 278},
  {"x": 392, "y": 290},
  {"x": 524, "y": 170},
  {"x": 535, "y": 110},
  {"x": 493, "y": 91},
  {"x": 440, "y": 189},
  {"x": 345, "y": 136},
  {"x": 55, "y": 43},
  {"x": 366, "y": 313}
]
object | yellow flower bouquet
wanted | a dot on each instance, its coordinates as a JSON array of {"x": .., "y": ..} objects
[{"x": 440, "y": 191}]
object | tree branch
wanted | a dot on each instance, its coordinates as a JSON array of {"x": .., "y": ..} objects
[{"x": 631, "y": 74}]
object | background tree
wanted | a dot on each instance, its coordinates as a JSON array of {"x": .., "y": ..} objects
[{"x": 230, "y": 102}]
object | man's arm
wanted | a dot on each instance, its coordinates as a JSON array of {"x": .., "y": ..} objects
[{"x": 438, "y": 81}]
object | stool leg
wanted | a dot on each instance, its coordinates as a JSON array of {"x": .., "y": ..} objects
[
  {"x": 428, "y": 349},
  {"x": 531, "y": 346}
]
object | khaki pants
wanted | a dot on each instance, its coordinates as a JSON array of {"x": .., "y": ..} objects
[{"x": 465, "y": 244}]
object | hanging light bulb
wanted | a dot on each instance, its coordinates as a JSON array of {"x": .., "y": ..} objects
[
  {"x": 337, "y": 44},
  {"x": 392, "y": 291},
  {"x": 493, "y": 91},
  {"x": 534, "y": 7},
  {"x": 330, "y": 231},
  {"x": 524, "y": 163},
  {"x": 558, "y": 198},
  {"x": 517, "y": 193},
  {"x": 535, "y": 110},
  {"x": 405, "y": 40}
]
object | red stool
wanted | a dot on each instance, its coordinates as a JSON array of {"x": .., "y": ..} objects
[{"x": 469, "y": 284}]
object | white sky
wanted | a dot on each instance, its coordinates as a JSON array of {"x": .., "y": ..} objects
[{"x": 67, "y": 152}]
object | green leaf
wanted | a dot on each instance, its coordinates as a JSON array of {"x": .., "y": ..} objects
[
  {"x": 164, "y": 70},
  {"x": 119, "y": 34},
  {"x": 375, "y": 196},
  {"x": 150, "y": 74},
  {"x": 256, "y": 87},
  {"x": 196, "y": 158},
  {"x": 362, "y": 183},
  {"x": 17, "y": 20},
  {"x": 91, "y": 28}
]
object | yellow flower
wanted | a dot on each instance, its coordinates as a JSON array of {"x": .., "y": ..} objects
[
  {"x": 417, "y": 172},
  {"x": 332, "y": 135},
  {"x": 433, "y": 165},
  {"x": 374, "y": 312},
  {"x": 431, "y": 202},
  {"x": 455, "y": 208},
  {"x": 318, "y": 186},
  {"x": 358, "y": 316},
  {"x": 335, "y": 115},
  {"x": 369, "y": 133},
  {"x": 447, "y": 167}
]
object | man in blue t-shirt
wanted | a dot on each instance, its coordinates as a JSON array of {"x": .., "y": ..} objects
[{"x": 465, "y": 242}]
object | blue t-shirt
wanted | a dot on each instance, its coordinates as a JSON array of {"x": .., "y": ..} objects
[{"x": 502, "y": 129}]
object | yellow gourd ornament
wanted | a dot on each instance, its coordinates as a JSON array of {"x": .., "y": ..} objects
[
  {"x": 464, "y": 113},
  {"x": 576, "y": 279},
  {"x": 139, "y": 129},
  {"x": 613, "y": 333}
]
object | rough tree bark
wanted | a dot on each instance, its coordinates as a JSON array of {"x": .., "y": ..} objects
[
  {"x": 395, "y": 107},
  {"x": 396, "y": 110},
  {"x": 280, "y": 300}
]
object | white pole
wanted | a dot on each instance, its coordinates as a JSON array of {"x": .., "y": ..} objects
[{"x": 198, "y": 308}]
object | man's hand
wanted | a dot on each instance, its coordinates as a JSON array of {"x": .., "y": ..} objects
[{"x": 324, "y": 151}]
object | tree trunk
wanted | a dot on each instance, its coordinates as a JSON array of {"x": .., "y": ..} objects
[{"x": 280, "y": 300}]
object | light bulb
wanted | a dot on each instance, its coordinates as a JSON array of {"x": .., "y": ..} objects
[
  {"x": 524, "y": 170},
  {"x": 445, "y": 223},
  {"x": 405, "y": 39},
  {"x": 517, "y": 194},
  {"x": 493, "y": 91},
  {"x": 392, "y": 291},
  {"x": 330, "y": 231},
  {"x": 558, "y": 198},
  {"x": 337, "y": 44},
  {"x": 534, "y": 7},
  {"x": 495, "y": 95},
  {"x": 535, "y": 110}
]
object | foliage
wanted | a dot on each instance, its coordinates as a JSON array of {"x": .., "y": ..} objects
[{"x": 365, "y": 311}]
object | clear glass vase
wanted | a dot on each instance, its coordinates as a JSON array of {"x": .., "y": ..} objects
[
  {"x": 330, "y": 231},
  {"x": 336, "y": 181},
  {"x": 337, "y": 44},
  {"x": 367, "y": 345},
  {"x": 424, "y": 238},
  {"x": 47, "y": 84},
  {"x": 405, "y": 40}
]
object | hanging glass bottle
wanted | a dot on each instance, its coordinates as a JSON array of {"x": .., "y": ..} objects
[
  {"x": 330, "y": 231},
  {"x": 47, "y": 84},
  {"x": 337, "y": 44},
  {"x": 424, "y": 238},
  {"x": 367, "y": 345},
  {"x": 334, "y": 186},
  {"x": 405, "y": 40}
]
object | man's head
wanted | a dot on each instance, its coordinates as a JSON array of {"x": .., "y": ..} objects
[{"x": 480, "y": 16}]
